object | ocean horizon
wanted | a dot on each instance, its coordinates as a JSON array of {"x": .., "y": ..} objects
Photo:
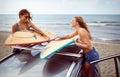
[{"x": 104, "y": 27}]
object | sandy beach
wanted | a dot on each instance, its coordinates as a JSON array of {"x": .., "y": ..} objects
[
  {"x": 104, "y": 48},
  {"x": 4, "y": 50}
]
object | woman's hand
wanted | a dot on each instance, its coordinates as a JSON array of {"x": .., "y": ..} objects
[
  {"x": 78, "y": 42},
  {"x": 57, "y": 38},
  {"x": 48, "y": 38}
]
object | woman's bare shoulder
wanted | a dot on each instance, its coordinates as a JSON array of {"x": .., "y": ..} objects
[
  {"x": 82, "y": 30},
  {"x": 14, "y": 25},
  {"x": 30, "y": 24}
]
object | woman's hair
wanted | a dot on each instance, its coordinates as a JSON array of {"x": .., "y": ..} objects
[
  {"x": 82, "y": 24},
  {"x": 24, "y": 11}
]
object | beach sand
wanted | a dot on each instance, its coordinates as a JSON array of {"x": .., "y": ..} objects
[
  {"x": 104, "y": 49},
  {"x": 4, "y": 50}
]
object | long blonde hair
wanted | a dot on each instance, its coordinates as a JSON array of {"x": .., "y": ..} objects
[{"x": 82, "y": 24}]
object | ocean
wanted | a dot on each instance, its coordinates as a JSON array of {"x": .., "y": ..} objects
[{"x": 103, "y": 27}]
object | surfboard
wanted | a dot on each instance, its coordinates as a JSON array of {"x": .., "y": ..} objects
[
  {"x": 28, "y": 37},
  {"x": 55, "y": 46}
]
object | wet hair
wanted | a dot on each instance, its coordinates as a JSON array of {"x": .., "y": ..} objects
[
  {"x": 82, "y": 24},
  {"x": 24, "y": 11}
]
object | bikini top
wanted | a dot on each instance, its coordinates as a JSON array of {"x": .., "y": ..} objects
[{"x": 18, "y": 29}]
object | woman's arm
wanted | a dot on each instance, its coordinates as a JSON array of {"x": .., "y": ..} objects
[
  {"x": 67, "y": 36},
  {"x": 13, "y": 28},
  {"x": 38, "y": 29}
]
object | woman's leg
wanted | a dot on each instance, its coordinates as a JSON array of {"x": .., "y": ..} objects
[{"x": 86, "y": 68}]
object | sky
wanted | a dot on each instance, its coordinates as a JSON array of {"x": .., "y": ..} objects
[{"x": 61, "y": 6}]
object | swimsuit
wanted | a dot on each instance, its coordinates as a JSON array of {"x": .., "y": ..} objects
[
  {"x": 91, "y": 55},
  {"x": 18, "y": 29}
]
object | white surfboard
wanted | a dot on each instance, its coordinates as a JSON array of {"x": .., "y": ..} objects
[{"x": 55, "y": 46}]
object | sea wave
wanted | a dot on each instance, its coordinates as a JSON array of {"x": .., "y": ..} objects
[
  {"x": 117, "y": 41},
  {"x": 104, "y": 23},
  {"x": 88, "y": 23}
]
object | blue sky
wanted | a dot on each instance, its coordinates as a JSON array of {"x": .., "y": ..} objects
[{"x": 61, "y": 6}]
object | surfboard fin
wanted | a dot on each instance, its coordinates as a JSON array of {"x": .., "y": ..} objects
[{"x": 34, "y": 36}]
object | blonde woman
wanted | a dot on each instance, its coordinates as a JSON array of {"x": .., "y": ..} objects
[{"x": 84, "y": 42}]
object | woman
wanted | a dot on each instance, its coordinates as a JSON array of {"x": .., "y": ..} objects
[
  {"x": 84, "y": 42},
  {"x": 25, "y": 23}
]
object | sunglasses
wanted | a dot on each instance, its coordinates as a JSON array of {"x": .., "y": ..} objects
[{"x": 26, "y": 17}]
